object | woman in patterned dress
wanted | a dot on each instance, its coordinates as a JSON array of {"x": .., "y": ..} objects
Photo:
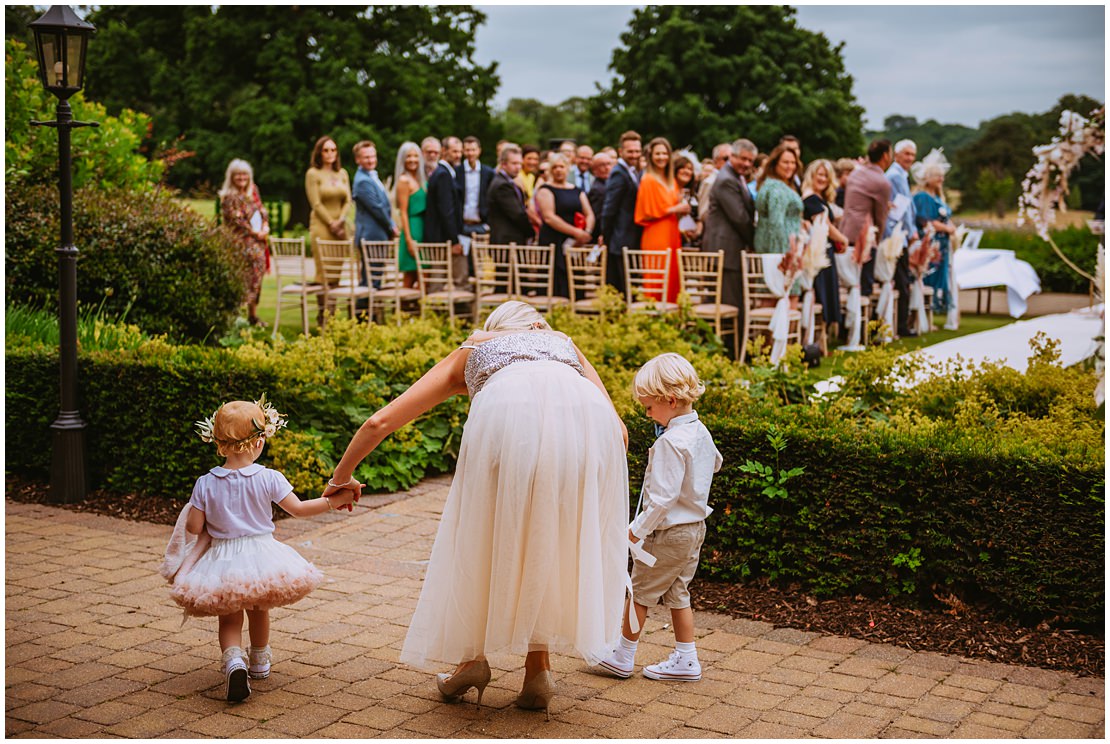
[{"x": 243, "y": 213}]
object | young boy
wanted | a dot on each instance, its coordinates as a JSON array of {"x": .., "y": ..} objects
[{"x": 671, "y": 525}]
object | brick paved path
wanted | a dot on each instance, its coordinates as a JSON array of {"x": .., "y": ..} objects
[{"x": 95, "y": 649}]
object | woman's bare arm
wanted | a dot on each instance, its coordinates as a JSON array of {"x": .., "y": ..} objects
[{"x": 437, "y": 385}]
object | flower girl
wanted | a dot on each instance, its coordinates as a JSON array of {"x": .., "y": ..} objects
[{"x": 223, "y": 559}]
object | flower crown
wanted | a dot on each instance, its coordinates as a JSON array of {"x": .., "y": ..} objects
[{"x": 272, "y": 421}]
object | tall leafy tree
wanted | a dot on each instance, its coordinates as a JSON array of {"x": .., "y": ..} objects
[
  {"x": 528, "y": 121},
  {"x": 926, "y": 135},
  {"x": 264, "y": 82},
  {"x": 990, "y": 169},
  {"x": 700, "y": 75}
]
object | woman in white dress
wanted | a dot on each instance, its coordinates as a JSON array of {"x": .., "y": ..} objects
[{"x": 530, "y": 555}]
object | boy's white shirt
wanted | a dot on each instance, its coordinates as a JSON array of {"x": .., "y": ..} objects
[{"x": 680, "y": 471}]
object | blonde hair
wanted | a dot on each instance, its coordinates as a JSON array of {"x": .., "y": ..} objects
[
  {"x": 236, "y": 166},
  {"x": 515, "y": 316},
  {"x": 399, "y": 170},
  {"x": 237, "y": 425},
  {"x": 668, "y": 375},
  {"x": 811, "y": 172}
]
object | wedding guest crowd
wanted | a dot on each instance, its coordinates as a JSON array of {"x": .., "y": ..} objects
[{"x": 652, "y": 198}]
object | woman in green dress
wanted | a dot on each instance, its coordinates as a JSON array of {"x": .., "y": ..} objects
[
  {"x": 412, "y": 199},
  {"x": 779, "y": 206}
]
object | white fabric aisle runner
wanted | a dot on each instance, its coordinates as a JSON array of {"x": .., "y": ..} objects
[{"x": 1009, "y": 344}]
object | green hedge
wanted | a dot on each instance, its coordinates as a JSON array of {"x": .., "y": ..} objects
[
  {"x": 979, "y": 482},
  {"x": 905, "y": 515},
  {"x": 140, "y": 406},
  {"x": 1079, "y": 244}
]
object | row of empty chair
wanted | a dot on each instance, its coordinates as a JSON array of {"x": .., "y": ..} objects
[{"x": 525, "y": 272}]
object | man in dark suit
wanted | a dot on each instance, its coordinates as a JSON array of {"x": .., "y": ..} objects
[
  {"x": 618, "y": 226},
  {"x": 508, "y": 218},
  {"x": 474, "y": 179},
  {"x": 443, "y": 221},
  {"x": 601, "y": 165},
  {"x": 730, "y": 218}
]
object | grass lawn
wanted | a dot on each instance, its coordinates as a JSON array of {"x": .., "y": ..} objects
[
  {"x": 1070, "y": 218},
  {"x": 834, "y": 363},
  {"x": 204, "y": 207}
]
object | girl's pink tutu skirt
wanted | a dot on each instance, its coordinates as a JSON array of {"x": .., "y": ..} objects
[{"x": 245, "y": 573}]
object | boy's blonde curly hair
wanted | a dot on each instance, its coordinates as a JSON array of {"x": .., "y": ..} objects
[{"x": 667, "y": 376}]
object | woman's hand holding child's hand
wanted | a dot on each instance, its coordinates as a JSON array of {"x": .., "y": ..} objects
[
  {"x": 344, "y": 498},
  {"x": 343, "y": 495}
]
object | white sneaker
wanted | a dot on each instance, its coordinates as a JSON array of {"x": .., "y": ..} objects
[
  {"x": 237, "y": 686},
  {"x": 614, "y": 666},
  {"x": 679, "y": 666},
  {"x": 259, "y": 662}
]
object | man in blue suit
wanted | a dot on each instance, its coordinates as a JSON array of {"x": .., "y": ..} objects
[
  {"x": 618, "y": 226},
  {"x": 905, "y": 152},
  {"x": 373, "y": 219}
]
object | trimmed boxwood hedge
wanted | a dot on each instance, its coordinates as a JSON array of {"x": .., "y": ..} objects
[
  {"x": 906, "y": 516},
  {"x": 989, "y": 488},
  {"x": 1079, "y": 244}
]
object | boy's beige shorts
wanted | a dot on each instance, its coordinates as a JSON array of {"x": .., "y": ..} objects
[{"x": 676, "y": 550}]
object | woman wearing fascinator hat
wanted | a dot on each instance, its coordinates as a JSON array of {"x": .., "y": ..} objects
[{"x": 932, "y": 211}]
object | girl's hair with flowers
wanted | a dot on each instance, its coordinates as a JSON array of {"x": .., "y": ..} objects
[{"x": 238, "y": 424}]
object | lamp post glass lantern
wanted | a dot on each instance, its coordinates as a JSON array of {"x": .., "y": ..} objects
[{"x": 60, "y": 40}]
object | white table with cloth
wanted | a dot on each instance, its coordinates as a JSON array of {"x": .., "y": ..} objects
[{"x": 981, "y": 268}]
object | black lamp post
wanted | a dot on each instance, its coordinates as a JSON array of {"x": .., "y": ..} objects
[{"x": 61, "y": 38}]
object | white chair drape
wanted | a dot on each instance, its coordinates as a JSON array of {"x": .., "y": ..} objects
[
  {"x": 849, "y": 272},
  {"x": 779, "y": 286}
]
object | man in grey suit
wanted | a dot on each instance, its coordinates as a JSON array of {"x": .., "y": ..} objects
[{"x": 730, "y": 219}]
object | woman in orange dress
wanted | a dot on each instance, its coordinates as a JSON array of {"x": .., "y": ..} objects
[{"x": 658, "y": 206}]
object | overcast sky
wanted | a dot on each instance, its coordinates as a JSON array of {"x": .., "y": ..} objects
[{"x": 955, "y": 64}]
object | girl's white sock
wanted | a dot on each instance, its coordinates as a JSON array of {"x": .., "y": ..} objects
[
  {"x": 686, "y": 649},
  {"x": 626, "y": 650}
]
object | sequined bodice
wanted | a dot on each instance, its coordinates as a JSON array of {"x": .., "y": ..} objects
[{"x": 528, "y": 346}]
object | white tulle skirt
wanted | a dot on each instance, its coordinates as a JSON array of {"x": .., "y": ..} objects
[
  {"x": 531, "y": 549},
  {"x": 245, "y": 573}
]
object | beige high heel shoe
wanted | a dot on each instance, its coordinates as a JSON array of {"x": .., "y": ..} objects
[
  {"x": 537, "y": 693},
  {"x": 452, "y": 686}
]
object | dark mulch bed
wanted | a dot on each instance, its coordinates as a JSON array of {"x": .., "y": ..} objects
[
  {"x": 952, "y": 629},
  {"x": 956, "y": 629}
]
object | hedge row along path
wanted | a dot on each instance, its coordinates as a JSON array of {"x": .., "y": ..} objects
[{"x": 94, "y": 648}]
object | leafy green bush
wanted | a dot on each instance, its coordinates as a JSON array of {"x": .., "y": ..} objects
[
  {"x": 107, "y": 157},
  {"x": 1077, "y": 243},
  {"x": 978, "y": 481},
  {"x": 142, "y": 256}
]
